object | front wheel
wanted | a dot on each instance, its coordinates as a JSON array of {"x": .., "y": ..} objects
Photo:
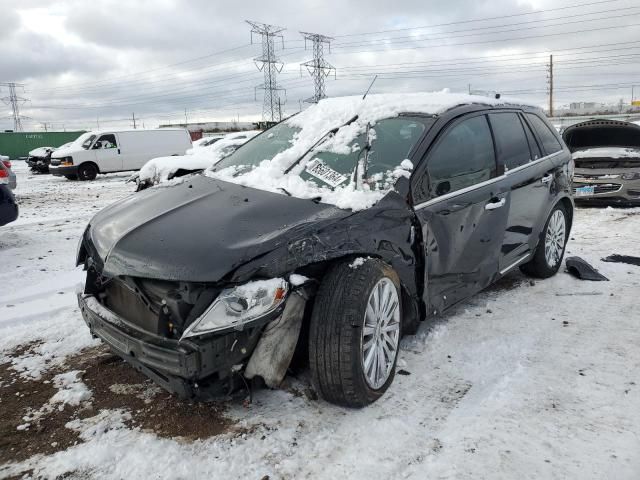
[
  {"x": 550, "y": 250},
  {"x": 354, "y": 335},
  {"x": 87, "y": 171}
]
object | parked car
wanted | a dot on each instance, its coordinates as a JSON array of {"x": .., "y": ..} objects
[
  {"x": 163, "y": 169},
  {"x": 207, "y": 141},
  {"x": 11, "y": 176},
  {"x": 8, "y": 205},
  {"x": 39, "y": 159},
  {"x": 354, "y": 218},
  {"x": 105, "y": 151},
  {"x": 607, "y": 162}
]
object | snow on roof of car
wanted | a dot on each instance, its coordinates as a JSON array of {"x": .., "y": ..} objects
[
  {"x": 378, "y": 106},
  {"x": 607, "y": 152}
]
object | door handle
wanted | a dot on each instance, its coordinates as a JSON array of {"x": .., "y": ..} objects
[
  {"x": 118, "y": 151},
  {"x": 547, "y": 178},
  {"x": 493, "y": 205}
]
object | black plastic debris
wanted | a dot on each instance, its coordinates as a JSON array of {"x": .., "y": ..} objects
[
  {"x": 623, "y": 259},
  {"x": 579, "y": 268}
]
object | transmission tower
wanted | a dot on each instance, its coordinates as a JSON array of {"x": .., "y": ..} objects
[
  {"x": 270, "y": 65},
  {"x": 318, "y": 68},
  {"x": 14, "y": 100}
]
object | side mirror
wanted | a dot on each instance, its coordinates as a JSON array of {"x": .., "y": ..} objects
[
  {"x": 96, "y": 146},
  {"x": 443, "y": 188}
]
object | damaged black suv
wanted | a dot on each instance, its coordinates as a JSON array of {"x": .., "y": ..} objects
[{"x": 332, "y": 233}]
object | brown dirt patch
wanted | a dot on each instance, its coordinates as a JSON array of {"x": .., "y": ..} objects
[{"x": 114, "y": 384}]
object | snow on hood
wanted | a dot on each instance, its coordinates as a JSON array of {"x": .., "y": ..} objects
[
  {"x": 607, "y": 152},
  {"x": 328, "y": 114},
  {"x": 41, "y": 151},
  {"x": 159, "y": 170}
]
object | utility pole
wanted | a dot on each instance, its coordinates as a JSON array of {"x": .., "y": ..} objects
[
  {"x": 98, "y": 121},
  {"x": 318, "y": 68},
  {"x": 551, "y": 85},
  {"x": 133, "y": 115},
  {"x": 270, "y": 65},
  {"x": 186, "y": 120},
  {"x": 14, "y": 100}
]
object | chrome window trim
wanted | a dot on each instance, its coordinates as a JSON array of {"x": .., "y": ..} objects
[{"x": 471, "y": 188}]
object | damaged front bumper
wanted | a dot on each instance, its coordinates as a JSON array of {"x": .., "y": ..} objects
[{"x": 203, "y": 367}]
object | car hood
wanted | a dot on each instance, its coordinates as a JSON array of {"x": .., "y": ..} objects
[{"x": 198, "y": 230}]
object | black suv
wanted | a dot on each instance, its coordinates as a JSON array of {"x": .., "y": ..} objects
[{"x": 331, "y": 234}]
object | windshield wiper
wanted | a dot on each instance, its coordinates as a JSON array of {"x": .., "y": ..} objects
[
  {"x": 285, "y": 191},
  {"x": 330, "y": 132}
]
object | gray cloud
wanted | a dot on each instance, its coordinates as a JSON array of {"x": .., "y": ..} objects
[{"x": 112, "y": 58}]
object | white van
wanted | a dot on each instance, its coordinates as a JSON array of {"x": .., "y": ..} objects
[{"x": 104, "y": 151}]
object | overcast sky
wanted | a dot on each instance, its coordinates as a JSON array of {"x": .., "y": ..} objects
[{"x": 88, "y": 62}]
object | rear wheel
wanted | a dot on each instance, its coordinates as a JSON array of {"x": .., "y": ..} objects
[
  {"x": 87, "y": 171},
  {"x": 354, "y": 335},
  {"x": 550, "y": 250}
]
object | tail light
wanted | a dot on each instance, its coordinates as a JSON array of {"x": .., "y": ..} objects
[
  {"x": 4, "y": 173},
  {"x": 7, "y": 163}
]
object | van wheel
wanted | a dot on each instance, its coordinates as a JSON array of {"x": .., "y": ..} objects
[
  {"x": 71, "y": 177},
  {"x": 354, "y": 334},
  {"x": 548, "y": 256},
  {"x": 87, "y": 171}
]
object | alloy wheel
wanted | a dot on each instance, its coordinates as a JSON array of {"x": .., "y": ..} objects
[
  {"x": 380, "y": 333},
  {"x": 555, "y": 238}
]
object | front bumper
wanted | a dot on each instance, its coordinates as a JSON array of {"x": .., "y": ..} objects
[
  {"x": 202, "y": 368},
  {"x": 608, "y": 191},
  {"x": 61, "y": 171}
]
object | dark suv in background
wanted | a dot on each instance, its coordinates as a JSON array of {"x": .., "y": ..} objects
[{"x": 302, "y": 239}]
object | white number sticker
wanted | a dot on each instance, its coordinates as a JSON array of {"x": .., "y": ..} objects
[{"x": 318, "y": 169}]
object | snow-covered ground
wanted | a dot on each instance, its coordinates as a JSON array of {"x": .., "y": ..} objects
[{"x": 526, "y": 380}]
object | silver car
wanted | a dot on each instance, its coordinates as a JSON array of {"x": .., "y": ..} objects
[{"x": 606, "y": 154}]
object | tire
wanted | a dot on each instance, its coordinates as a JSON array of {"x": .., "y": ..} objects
[
  {"x": 542, "y": 265},
  {"x": 336, "y": 330},
  {"x": 87, "y": 171},
  {"x": 71, "y": 177}
]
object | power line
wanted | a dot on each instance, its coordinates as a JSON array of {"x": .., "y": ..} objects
[
  {"x": 14, "y": 101},
  {"x": 318, "y": 68},
  {"x": 270, "y": 66}
]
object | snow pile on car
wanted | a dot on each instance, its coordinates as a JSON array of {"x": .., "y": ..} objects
[
  {"x": 332, "y": 113},
  {"x": 41, "y": 151},
  {"x": 161, "y": 169},
  {"x": 607, "y": 152}
]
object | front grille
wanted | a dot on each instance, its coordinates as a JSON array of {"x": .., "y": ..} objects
[
  {"x": 598, "y": 187},
  {"x": 123, "y": 301}
]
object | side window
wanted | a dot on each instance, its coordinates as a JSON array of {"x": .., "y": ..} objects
[
  {"x": 106, "y": 141},
  {"x": 463, "y": 157},
  {"x": 536, "y": 153},
  {"x": 511, "y": 142},
  {"x": 549, "y": 141}
]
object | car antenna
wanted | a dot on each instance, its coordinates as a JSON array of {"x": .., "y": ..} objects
[{"x": 370, "y": 85}]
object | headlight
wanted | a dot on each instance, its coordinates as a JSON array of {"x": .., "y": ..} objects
[
  {"x": 631, "y": 176},
  {"x": 66, "y": 162},
  {"x": 237, "y": 306}
]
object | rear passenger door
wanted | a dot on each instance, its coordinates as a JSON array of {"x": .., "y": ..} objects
[
  {"x": 527, "y": 177},
  {"x": 460, "y": 204}
]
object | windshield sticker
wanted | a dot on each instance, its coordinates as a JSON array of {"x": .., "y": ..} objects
[{"x": 318, "y": 169}]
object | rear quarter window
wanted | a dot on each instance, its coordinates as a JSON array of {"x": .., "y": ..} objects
[{"x": 550, "y": 143}]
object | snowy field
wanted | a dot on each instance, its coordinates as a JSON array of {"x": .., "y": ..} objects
[{"x": 526, "y": 380}]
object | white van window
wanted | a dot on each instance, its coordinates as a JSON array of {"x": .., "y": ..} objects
[
  {"x": 106, "y": 141},
  {"x": 87, "y": 143}
]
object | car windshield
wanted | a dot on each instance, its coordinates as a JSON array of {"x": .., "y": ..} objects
[
  {"x": 86, "y": 143},
  {"x": 263, "y": 147},
  {"x": 390, "y": 142}
]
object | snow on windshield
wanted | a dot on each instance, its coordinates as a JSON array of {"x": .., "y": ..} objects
[
  {"x": 314, "y": 123},
  {"x": 159, "y": 170}
]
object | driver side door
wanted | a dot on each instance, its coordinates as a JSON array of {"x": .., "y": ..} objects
[
  {"x": 107, "y": 152},
  {"x": 462, "y": 207}
]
